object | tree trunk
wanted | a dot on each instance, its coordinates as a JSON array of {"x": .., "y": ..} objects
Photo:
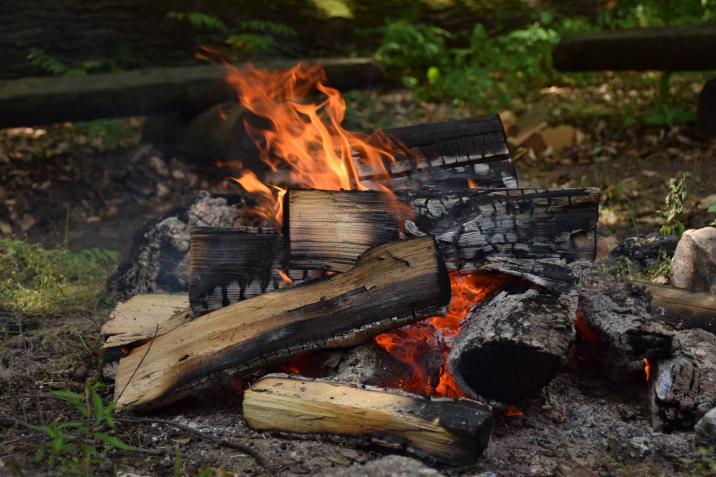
[
  {"x": 454, "y": 432},
  {"x": 513, "y": 345},
  {"x": 390, "y": 285}
]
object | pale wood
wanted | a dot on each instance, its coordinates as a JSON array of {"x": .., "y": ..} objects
[
  {"x": 682, "y": 309},
  {"x": 391, "y": 285},
  {"x": 443, "y": 429},
  {"x": 144, "y": 316}
]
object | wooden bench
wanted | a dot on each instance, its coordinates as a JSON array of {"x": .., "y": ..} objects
[{"x": 691, "y": 48}]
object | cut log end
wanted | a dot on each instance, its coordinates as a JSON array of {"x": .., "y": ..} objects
[{"x": 455, "y": 432}]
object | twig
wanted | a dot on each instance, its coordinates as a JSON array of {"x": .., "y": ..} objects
[
  {"x": 222, "y": 442},
  {"x": 126, "y": 385}
]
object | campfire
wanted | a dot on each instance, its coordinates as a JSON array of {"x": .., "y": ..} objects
[{"x": 413, "y": 246}]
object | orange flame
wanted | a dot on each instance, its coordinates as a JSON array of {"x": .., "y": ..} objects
[
  {"x": 410, "y": 344},
  {"x": 647, "y": 369},
  {"x": 304, "y": 137},
  {"x": 512, "y": 411}
]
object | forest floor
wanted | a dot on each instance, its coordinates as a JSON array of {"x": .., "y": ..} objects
[{"x": 65, "y": 185}]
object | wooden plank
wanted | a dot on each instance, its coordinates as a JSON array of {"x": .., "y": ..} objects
[
  {"x": 390, "y": 285},
  {"x": 455, "y": 432},
  {"x": 682, "y": 309},
  {"x": 667, "y": 49}
]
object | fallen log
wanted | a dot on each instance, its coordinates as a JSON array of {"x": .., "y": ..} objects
[
  {"x": 454, "y": 432},
  {"x": 326, "y": 230},
  {"x": 666, "y": 49},
  {"x": 390, "y": 285},
  {"x": 512, "y": 346},
  {"x": 188, "y": 90},
  {"x": 685, "y": 385},
  {"x": 682, "y": 309}
]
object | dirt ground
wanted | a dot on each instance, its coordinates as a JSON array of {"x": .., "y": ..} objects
[{"x": 60, "y": 185}]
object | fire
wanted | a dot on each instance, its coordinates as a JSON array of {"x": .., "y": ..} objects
[
  {"x": 413, "y": 344},
  {"x": 647, "y": 369},
  {"x": 512, "y": 411},
  {"x": 304, "y": 137}
]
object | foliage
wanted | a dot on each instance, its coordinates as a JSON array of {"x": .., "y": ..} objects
[
  {"x": 673, "y": 211},
  {"x": 198, "y": 20},
  {"x": 712, "y": 210},
  {"x": 108, "y": 132},
  {"x": 57, "y": 67},
  {"x": 74, "y": 447},
  {"x": 656, "y": 13},
  {"x": 36, "y": 280}
]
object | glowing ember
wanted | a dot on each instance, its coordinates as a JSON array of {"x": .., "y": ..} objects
[
  {"x": 410, "y": 344},
  {"x": 512, "y": 411},
  {"x": 647, "y": 369},
  {"x": 285, "y": 278}
]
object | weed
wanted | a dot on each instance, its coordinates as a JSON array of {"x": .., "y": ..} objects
[
  {"x": 673, "y": 211},
  {"x": 57, "y": 67},
  {"x": 35, "y": 280}
]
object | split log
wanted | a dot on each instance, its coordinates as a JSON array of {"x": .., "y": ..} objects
[
  {"x": 390, "y": 285},
  {"x": 142, "y": 317},
  {"x": 512, "y": 346},
  {"x": 685, "y": 385},
  {"x": 187, "y": 90},
  {"x": 450, "y": 153},
  {"x": 682, "y": 309},
  {"x": 666, "y": 49},
  {"x": 449, "y": 431},
  {"x": 328, "y": 229}
]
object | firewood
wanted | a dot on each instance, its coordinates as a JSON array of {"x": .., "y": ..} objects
[
  {"x": 554, "y": 275},
  {"x": 512, "y": 345},
  {"x": 455, "y": 432},
  {"x": 144, "y": 316},
  {"x": 684, "y": 388},
  {"x": 328, "y": 229},
  {"x": 682, "y": 309},
  {"x": 390, "y": 285}
]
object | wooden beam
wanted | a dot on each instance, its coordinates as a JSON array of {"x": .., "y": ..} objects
[
  {"x": 454, "y": 432},
  {"x": 328, "y": 229},
  {"x": 667, "y": 49},
  {"x": 390, "y": 285},
  {"x": 682, "y": 309},
  {"x": 187, "y": 90}
]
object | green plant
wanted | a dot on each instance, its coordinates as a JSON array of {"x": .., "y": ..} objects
[
  {"x": 712, "y": 210},
  {"x": 75, "y": 446},
  {"x": 109, "y": 132},
  {"x": 199, "y": 20},
  {"x": 673, "y": 211},
  {"x": 36, "y": 280},
  {"x": 57, "y": 67}
]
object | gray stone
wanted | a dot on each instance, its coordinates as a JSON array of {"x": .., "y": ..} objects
[
  {"x": 389, "y": 466},
  {"x": 694, "y": 264},
  {"x": 706, "y": 429}
]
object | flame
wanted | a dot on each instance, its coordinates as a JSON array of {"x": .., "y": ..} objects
[
  {"x": 512, "y": 411},
  {"x": 472, "y": 184},
  {"x": 412, "y": 343},
  {"x": 647, "y": 369},
  {"x": 285, "y": 278},
  {"x": 304, "y": 136}
]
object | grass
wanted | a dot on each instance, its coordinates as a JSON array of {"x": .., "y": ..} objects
[{"x": 36, "y": 280}]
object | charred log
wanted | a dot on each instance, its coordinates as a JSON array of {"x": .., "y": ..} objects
[
  {"x": 389, "y": 286},
  {"x": 513, "y": 345},
  {"x": 470, "y": 225},
  {"x": 455, "y": 432}
]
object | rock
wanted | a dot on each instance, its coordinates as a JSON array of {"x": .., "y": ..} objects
[
  {"x": 693, "y": 266},
  {"x": 641, "y": 252},
  {"x": 369, "y": 364},
  {"x": 389, "y": 466},
  {"x": 706, "y": 429},
  {"x": 159, "y": 260}
]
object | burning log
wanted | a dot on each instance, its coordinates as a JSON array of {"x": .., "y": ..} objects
[
  {"x": 455, "y": 432},
  {"x": 685, "y": 385},
  {"x": 328, "y": 229},
  {"x": 513, "y": 345},
  {"x": 390, "y": 285}
]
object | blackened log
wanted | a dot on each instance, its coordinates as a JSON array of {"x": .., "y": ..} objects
[
  {"x": 187, "y": 90},
  {"x": 666, "y": 49},
  {"x": 390, "y": 285},
  {"x": 512, "y": 345},
  {"x": 682, "y": 309},
  {"x": 449, "y": 431},
  {"x": 684, "y": 388},
  {"x": 553, "y": 275},
  {"x": 452, "y": 154},
  {"x": 469, "y": 225}
]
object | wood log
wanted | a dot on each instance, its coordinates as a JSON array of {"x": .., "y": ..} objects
[
  {"x": 682, "y": 309},
  {"x": 450, "y": 154},
  {"x": 553, "y": 275},
  {"x": 328, "y": 229},
  {"x": 668, "y": 49},
  {"x": 390, "y": 285},
  {"x": 187, "y": 90},
  {"x": 512, "y": 345},
  {"x": 454, "y": 432},
  {"x": 684, "y": 388}
]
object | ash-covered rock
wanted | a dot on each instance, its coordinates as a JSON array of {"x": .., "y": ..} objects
[
  {"x": 369, "y": 364},
  {"x": 706, "y": 429},
  {"x": 388, "y": 466},
  {"x": 159, "y": 260}
]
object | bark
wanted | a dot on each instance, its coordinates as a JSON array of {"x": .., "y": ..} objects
[
  {"x": 682, "y": 309},
  {"x": 511, "y": 346},
  {"x": 454, "y": 432},
  {"x": 391, "y": 285}
]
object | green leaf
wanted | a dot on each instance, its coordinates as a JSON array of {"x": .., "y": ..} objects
[
  {"x": 113, "y": 441},
  {"x": 712, "y": 209},
  {"x": 64, "y": 394}
]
